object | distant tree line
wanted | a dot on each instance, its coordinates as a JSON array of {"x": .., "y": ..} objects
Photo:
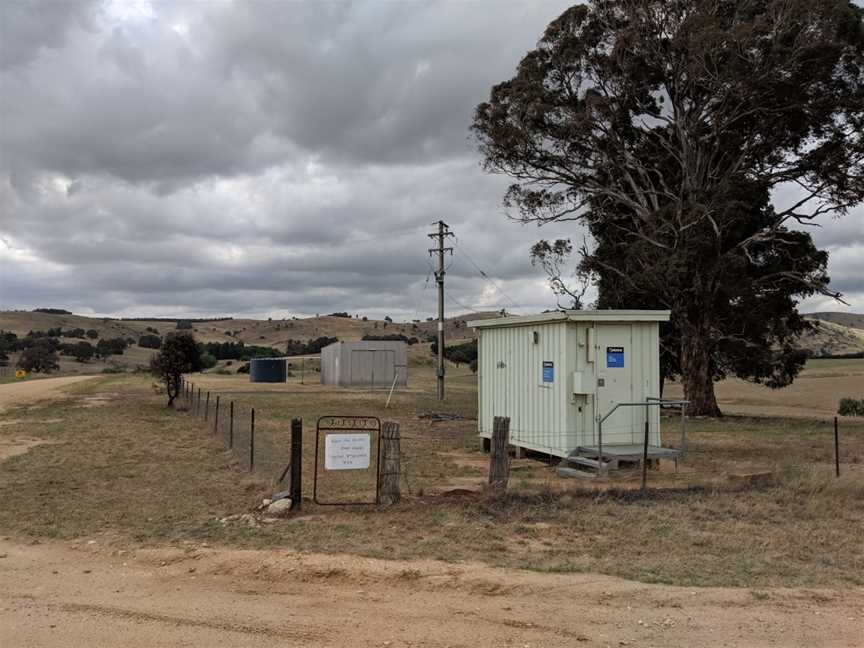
[
  {"x": 298, "y": 347},
  {"x": 465, "y": 353},
  {"x": 238, "y": 351},
  {"x": 40, "y": 349},
  {"x": 167, "y": 319},
  {"x": 52, "y": 311},
  {"x": 392, "y": 337}
]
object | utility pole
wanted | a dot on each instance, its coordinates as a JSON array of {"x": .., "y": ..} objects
[{"x": 442, "y": 234}]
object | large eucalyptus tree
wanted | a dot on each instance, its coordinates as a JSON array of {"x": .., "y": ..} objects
[{"x": 694, "y": 138}]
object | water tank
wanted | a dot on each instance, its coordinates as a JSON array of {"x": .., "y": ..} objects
[{"x": 268, "y": 370}]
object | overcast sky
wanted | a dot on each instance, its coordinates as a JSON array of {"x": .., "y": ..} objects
[{"x": 269, "y": 159}]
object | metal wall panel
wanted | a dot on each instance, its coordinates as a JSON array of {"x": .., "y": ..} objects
[
  {"x": 546, "y": 415},
  {"x": 356, "y": 363}
]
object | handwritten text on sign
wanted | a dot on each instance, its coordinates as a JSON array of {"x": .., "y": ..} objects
[{"x": 347, "y": 451}]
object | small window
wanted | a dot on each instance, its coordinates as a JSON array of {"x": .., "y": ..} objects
[{"x": 536, "y": 337}]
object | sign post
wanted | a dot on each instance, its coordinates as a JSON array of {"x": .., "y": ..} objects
[{"x": 348, "y": 445}]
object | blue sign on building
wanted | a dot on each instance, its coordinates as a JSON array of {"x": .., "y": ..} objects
[
  {"x": 614, "y": 357},
  {"x": 548, "y": 371}
]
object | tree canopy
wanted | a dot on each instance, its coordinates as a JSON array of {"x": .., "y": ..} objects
[
  {"x": 694, "y": 139},
  {"x": 179, "y": 354}
]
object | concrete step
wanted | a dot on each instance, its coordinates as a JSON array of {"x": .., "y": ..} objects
[
  {"x": 588, "y": 463},
  {"x": 564, "y": 471}
]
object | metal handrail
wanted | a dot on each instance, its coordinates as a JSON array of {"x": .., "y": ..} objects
[{"x": 649, "y": 401}]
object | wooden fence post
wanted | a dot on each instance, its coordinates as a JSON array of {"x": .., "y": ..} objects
[
  {"x": 296, "y": 487},
  {"x": 216, "y": 416},
  {"x": 644, "y": 458},
  {"x": 198, "y": 403},
  {"x": 231, "y": 426},
  {"x": 836, "y": 447},
  {"x": 207, "y": 406},
  {"x": 252, "y": 440},
  {"x": 499, "y": 458},
  {"x": 391, "y": 457}
]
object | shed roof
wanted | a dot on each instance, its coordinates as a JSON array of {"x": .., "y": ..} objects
[
  {"x": 367, "y": 344},
  {"x": 576, "y": 316}
]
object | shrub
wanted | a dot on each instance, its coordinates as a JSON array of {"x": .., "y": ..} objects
[
  {"x": 114, "y": 346},
  {"x": 83, "y": 351},
  {"x": 851, "y": 407},
  {"x": 243, "y": 369},
  {"x": 208, "y": 361},
  {"x": 92, "y": 334},
  {"x": 150, "y": 341},
  {"x": 40, "y": 358}
]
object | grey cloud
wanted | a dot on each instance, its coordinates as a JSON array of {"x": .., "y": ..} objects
[
  {"x": 231, "y": 158},
  {"x": 29, "y": 27}
]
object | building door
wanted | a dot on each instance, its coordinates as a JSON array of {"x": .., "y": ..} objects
[
  {"x": 361, "y": 367},
  {"x": 383, "y": 366},
  {"x": 615, "y": 382}
]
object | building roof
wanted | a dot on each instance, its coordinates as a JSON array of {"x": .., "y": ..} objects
[
  {"x": 576, "y": 316},
  {"x": 367, "y": 344}
]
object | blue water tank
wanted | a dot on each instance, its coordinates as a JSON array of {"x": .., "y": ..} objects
[{"x": 268, "y": 370}]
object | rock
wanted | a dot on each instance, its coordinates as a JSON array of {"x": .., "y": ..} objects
[
  {"x": 280, "y": 508},
  {"x": 266, "y": 502}
]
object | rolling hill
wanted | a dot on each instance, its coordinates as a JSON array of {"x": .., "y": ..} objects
[{"x": 835, "y": 334}]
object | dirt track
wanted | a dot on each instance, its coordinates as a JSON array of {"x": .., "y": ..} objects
[
  {"x": 21, "y": 393},
  {"x": 85, "y": 595}
]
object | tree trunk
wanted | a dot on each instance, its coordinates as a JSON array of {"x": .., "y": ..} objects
[
  {"x": 172, "y": 387},
  {"x": 697, "y": 375}
]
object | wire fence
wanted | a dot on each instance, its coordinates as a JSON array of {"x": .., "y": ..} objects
[
  {"x": 255, "y": 445},
  {"x": 445, "y": 453},
  {"x": 259, "y": 441}
]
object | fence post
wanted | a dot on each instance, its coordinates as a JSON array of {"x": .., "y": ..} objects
[
  {"x": 389, "y": 492},
  {"x": 836, "y": 447},
  {"x": 296, "y": 464},
  {"x": 216, "y": 416},
  {"x": 645, "y": 458},
  {"x": 252, "y": 441},
  {"x": 231, "y": 427},
  {"x": 198, "y": 406},
  {"x": 207, "y": 406},
  {"x": 499, "y": 459}
]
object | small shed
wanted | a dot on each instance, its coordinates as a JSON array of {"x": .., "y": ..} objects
[
  {"x": 268, "y": 370},
  {"x": 368, "y": 363},
  {"x": 557, "y": 375}
]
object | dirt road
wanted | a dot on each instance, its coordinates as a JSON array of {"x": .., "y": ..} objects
[
  {"x": 28, "y": 391},
  {"x": 82, "y": 594}
]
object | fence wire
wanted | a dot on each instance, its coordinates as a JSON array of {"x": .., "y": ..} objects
[{"x": 256, "y": 444}]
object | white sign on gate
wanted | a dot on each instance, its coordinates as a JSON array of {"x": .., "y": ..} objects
[{"x": 347, "y": 451}]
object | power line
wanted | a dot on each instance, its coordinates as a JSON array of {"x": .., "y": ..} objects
[
  {"x": 483, "y": 274},
  {"x": 461, "y": 305}
]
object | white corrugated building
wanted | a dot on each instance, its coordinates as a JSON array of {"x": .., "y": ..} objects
[{"x": 557, "y": 374}]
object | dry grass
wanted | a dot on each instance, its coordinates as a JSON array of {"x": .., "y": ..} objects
[
  {"x": 814, "y": 394},
  {"x": 132, "y": 470}
]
